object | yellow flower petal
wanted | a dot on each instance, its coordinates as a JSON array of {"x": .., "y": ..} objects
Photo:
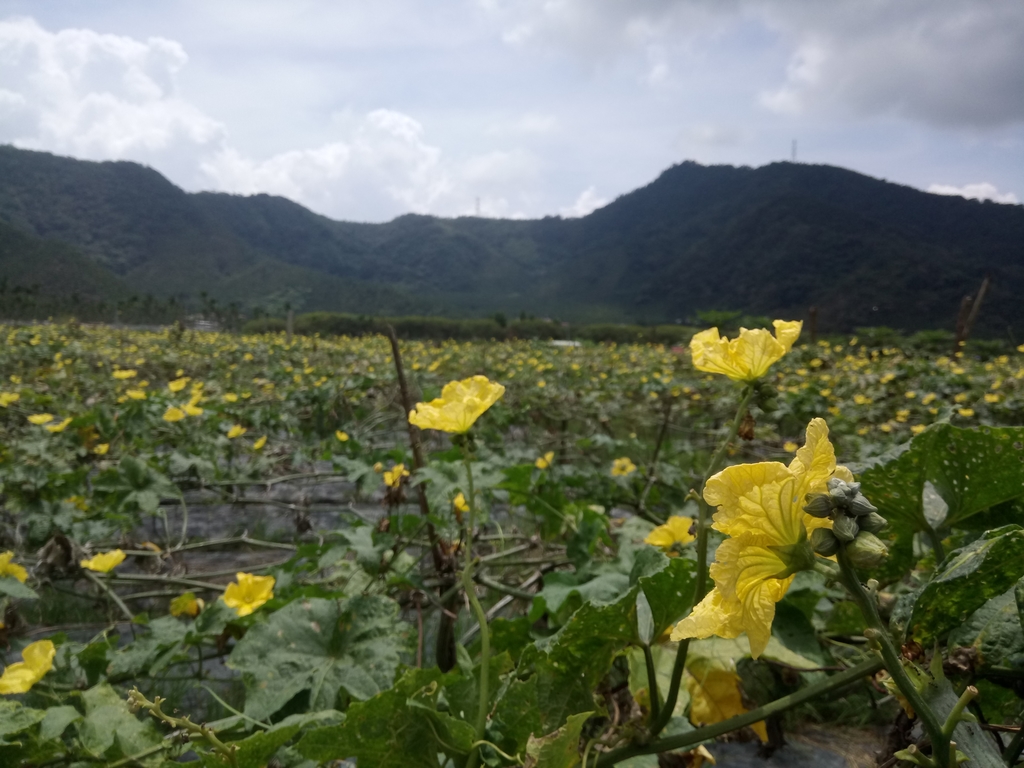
[
  {"x": 459, "y": 502},
  {"x": 715, "y": 695},
  {"x": 748, "y": 356},
  {"x": 22, "y": 675},
  {"x": 104, "y": 562},
  {"x": 13, "y": 570},
  {"x": 543, "y": 462},
  {"x": 41, "y": 418},
  {"x": 623, "y": 467},
  {"x": 342, "y": 436},
  {"x": 460, "y": 405},
  {"x": 258, "y": 445},
  {"x": 173, "y": 414},
  {"x": 236, "y": 431},
  {"x": 58, "y": 427},
  {"x": 248, "y": 592},
  {"x": 186, "y": 605},
  {"x": 676, "y": 530}
]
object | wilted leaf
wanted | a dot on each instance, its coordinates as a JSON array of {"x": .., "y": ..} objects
[{"x": 560, "y": 749}]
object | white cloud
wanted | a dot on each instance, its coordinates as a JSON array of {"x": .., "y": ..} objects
[
  {"x": 980, "y": 191},
  {"x": 586, "y": 203},
  {"x": 96, "y": 96}
]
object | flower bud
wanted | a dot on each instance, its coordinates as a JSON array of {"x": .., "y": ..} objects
[
  {"x": 859, "y": 505},
  {"x": 867, "y": 550},
  {"x": 824, "y": 542},
  {"x": 872, "y": 522},
  {"x": 818, "y": 504},
  {"x": 844, "y": 527}
]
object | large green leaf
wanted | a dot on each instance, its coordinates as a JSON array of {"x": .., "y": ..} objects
[
  {"x": 965, "y": 580},
  {"x": 254, "y": 751},
  {"x": 153, "y": 651},
  {"x": 14, "y": 718},
  {"x": 14, "y": 588},
  {"x": 321, "y": 646},
  {"x": 994, "y": 631},
  {"x": 560, "y": 749},
  {"x": 384, "y": 731},
  {"x": 111, "y": 731},
  {"x": 970, "y": 469}
]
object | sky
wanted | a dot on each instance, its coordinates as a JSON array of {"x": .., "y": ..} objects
[{"x": 364, "y": 111}]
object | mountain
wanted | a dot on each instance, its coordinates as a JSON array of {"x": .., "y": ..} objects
[{"x": 772, "y": 240}]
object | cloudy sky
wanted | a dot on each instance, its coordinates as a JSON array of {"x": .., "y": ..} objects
[{"x": 367, "y": 110}]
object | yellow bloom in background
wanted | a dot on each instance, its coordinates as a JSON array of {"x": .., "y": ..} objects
[
  {"x": 236, "y": 431},
  {"x": 124, "y": 374},
  {"x": 748, "y": 356},
  {"x": 13, "y": 570},
  {"x": 676, "y": 530},
  {"x": 186, "y": 605},
  {"x": 965, "y": 412},
  {"x": 230, "y": 397},
  {"x": 178, "y": 384},
  {"x": 459, "y": 502},
  {"x": 193, "y": 410},
  {"x": 258, "y": 445},
  {"x": 101, "y": 449},
  {"x": 58, "y": 427},
  {"x": 716, "y": 695},
  {"x": 173, "y": 414},
  {"x": 40, "y": 418},
  {"x": 393, "y": 477},
  {"x": 342, "y": 436},
  {"x": 461, "y": 403},
  {"x": 789, "y": 446},
  {"x": 543, "y": 462},
  {"x": 248, "y": 592},
  {"x": 760, "y": 507},
  {"x": 104, "y": 562},
  {"x": 136, "y": 394},
  {"x": 623, "y": 467},
  {"x": 22, "y": 675},
  {"x": 6, "y": 398}
]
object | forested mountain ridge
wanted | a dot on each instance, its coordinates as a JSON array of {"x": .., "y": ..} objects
[{"x": 771, "y": 240}]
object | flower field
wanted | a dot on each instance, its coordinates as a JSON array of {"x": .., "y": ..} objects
[{"x": 566, "y": 555}]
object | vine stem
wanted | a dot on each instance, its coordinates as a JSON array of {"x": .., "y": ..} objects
[
  {"x": 893, "y": 663},
  {"x": 478, "y": 611},
  {"x": 701, "y": 585},
  {"x": 696, "y": 736}
]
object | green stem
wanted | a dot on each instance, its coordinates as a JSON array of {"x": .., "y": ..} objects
[
  {"x": 954, "y": 716},
  {"x": 701, "y": 586},
  {"x": 652, "y": 684},
  {"x": 110, "y": 593},
  {"x": 936, "y": 542},
  {"x": 481, "y": 617},
  {"x": 1014, "y": 749},
  {"x": 696, "y": 736},
  {"x": 893, "y": 663}
]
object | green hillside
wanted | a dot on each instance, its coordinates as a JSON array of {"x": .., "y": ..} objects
[{"x": 772, "y": 240}]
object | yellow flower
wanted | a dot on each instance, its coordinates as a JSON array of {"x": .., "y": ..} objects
[
  {"x": 136, "y": 394},
  {"x": 58, "y": 427},
  {"x": 173, "y": 414},
  {"x": 917, "y": 429},
  {"x": 342, "y": 436},
  {"x": 104, "y": 562},
  {"x": 789, "y": 446},
  {"x": 459, "y": 502},
  {"x": 715, "y": 695},
  {"x": 393, "y": 477},
  {"x": 760, "y": 507},
  {"x": 747, "y": 357},
  {"x": 186, "y": 605},
  {"x": 378, "y": 467},
  {"x": 124, "y": 374},
  {"x": 193, "y": 410},
  {"x": 178, "y": 384},
  {"x": 236, "y": 431},
  {"x": 623, "y": 467},
  {"x": 965, "y": 412},
  {"x": 248, "y": 592},
  {"x": 22, "y": 675},
  {"x": 230, "y": 397},
  {"x": 41, "y": 418},
  {"x": 991, "y": 398},
  {"x": 675, "y": 531},
  {"x": 543, "y": 462},
  {"x": 101, "y": 449},
  {"x": 258, "y": 445},
  {"x": 7, "y": 568},
  {"x": 461, "y": 403},
  {"x": 6, "y": 398}
]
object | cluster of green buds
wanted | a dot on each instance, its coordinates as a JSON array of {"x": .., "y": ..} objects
[{"x": 855, "y": 521}]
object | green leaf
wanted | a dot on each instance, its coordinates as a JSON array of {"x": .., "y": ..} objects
[
  {"x": 256, "y": 750},
  {"x": 149, "y": 653},
  {"x": 964, "y": 581},
  {"x": 321, "y": 646},
  {"x": 110, "y": 730},
  {"x": 994, "y": 631},
  {"x": 668, "y": 584},
  {"x": 644, "y": 619},
  {"x": 979, "y": 746},
  {"x": 56, "y": 721},
  {"x": 382, "y": 731},
  {"x": 12, "y": 587},
  {"x": 727, "y": 650},
  {"x": 15, "y": 718},
  {"x": 560, "y": 749}
]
